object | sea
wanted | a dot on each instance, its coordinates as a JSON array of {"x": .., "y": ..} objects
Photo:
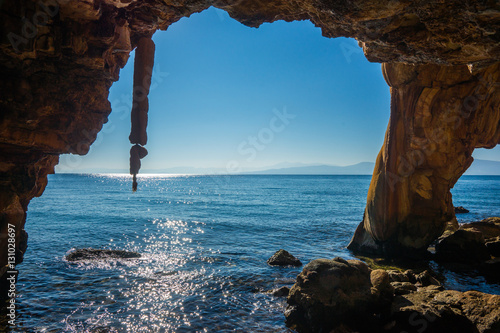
[{"x": 204, "y": 242}]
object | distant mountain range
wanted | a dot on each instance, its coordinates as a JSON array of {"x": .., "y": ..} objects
[
  {"x": 479, "y": 168},
  {"x": 363, "y": 168},
  {"x": 484, "y": 168}
]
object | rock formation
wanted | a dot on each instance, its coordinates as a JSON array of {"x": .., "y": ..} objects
[
  {"x": 58, "y": 59},
  {"x": 439, "y": 114},
  {"x": 143, "y": 72}
]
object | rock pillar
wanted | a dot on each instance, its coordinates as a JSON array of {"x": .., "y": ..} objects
[{"x": 439, "y": 114}]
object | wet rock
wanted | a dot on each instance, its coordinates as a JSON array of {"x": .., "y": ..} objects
[
  {"x": 281, "y": 292},
  {"x": 403, "y": 288},
  {"x": 283, "y": 258},
  {"x": 461, "y": 210},
  {"x": 463, "y": 246},
  {"x": 490, "y": 227},
  {"x": 99, "y": 254},
  {"x": 330, "y": 293}
]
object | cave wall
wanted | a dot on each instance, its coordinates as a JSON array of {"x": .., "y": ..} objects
[{"x": 58, "y": 59}]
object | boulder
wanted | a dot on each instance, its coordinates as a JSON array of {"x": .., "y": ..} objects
[
  {"x": 461, "y": 210},
  {"x": 333, "y": 293},
  {"x": 99, "y": 254},
  {"x": 283, "y": 258},
  {"x": 490, "y": 227},
  {"x": 463, "y": 246}
]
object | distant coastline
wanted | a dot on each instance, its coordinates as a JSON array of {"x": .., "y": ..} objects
[{"x": 478, "y": 168}]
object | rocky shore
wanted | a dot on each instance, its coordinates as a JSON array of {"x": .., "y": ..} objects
[{"x": 348, "y": 296}]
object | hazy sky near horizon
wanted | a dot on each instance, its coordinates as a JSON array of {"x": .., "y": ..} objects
[{"x": 225, "y": 95}]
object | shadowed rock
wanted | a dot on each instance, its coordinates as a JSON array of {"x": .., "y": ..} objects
[
  {"x": 493, "y": 246},
  {"x": 97, "y": 254},
  {"x": 283, "y": 258},
  {"x": 461, "y": 210},
  {"x": 463, "y": 246}
]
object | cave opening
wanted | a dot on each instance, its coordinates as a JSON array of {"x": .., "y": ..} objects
[
  {"x": 204, "y": 106},
  {"x": 420, "y": 185}
]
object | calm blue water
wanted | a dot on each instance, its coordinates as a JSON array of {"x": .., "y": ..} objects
[{"x": 205, "y": 241}]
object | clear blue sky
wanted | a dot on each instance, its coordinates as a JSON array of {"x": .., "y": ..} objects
[{"x": 218, "y": 86}]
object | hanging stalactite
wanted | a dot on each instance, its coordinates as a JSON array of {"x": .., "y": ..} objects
[{"x": 143, "y": 70}]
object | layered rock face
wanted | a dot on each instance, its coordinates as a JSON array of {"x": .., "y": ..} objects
[
  {"x": 58, "y": 59},
  {"x": 439, "y": 114}
]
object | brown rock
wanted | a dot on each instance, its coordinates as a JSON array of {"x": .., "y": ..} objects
[{"x": 380, "y": 280}]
